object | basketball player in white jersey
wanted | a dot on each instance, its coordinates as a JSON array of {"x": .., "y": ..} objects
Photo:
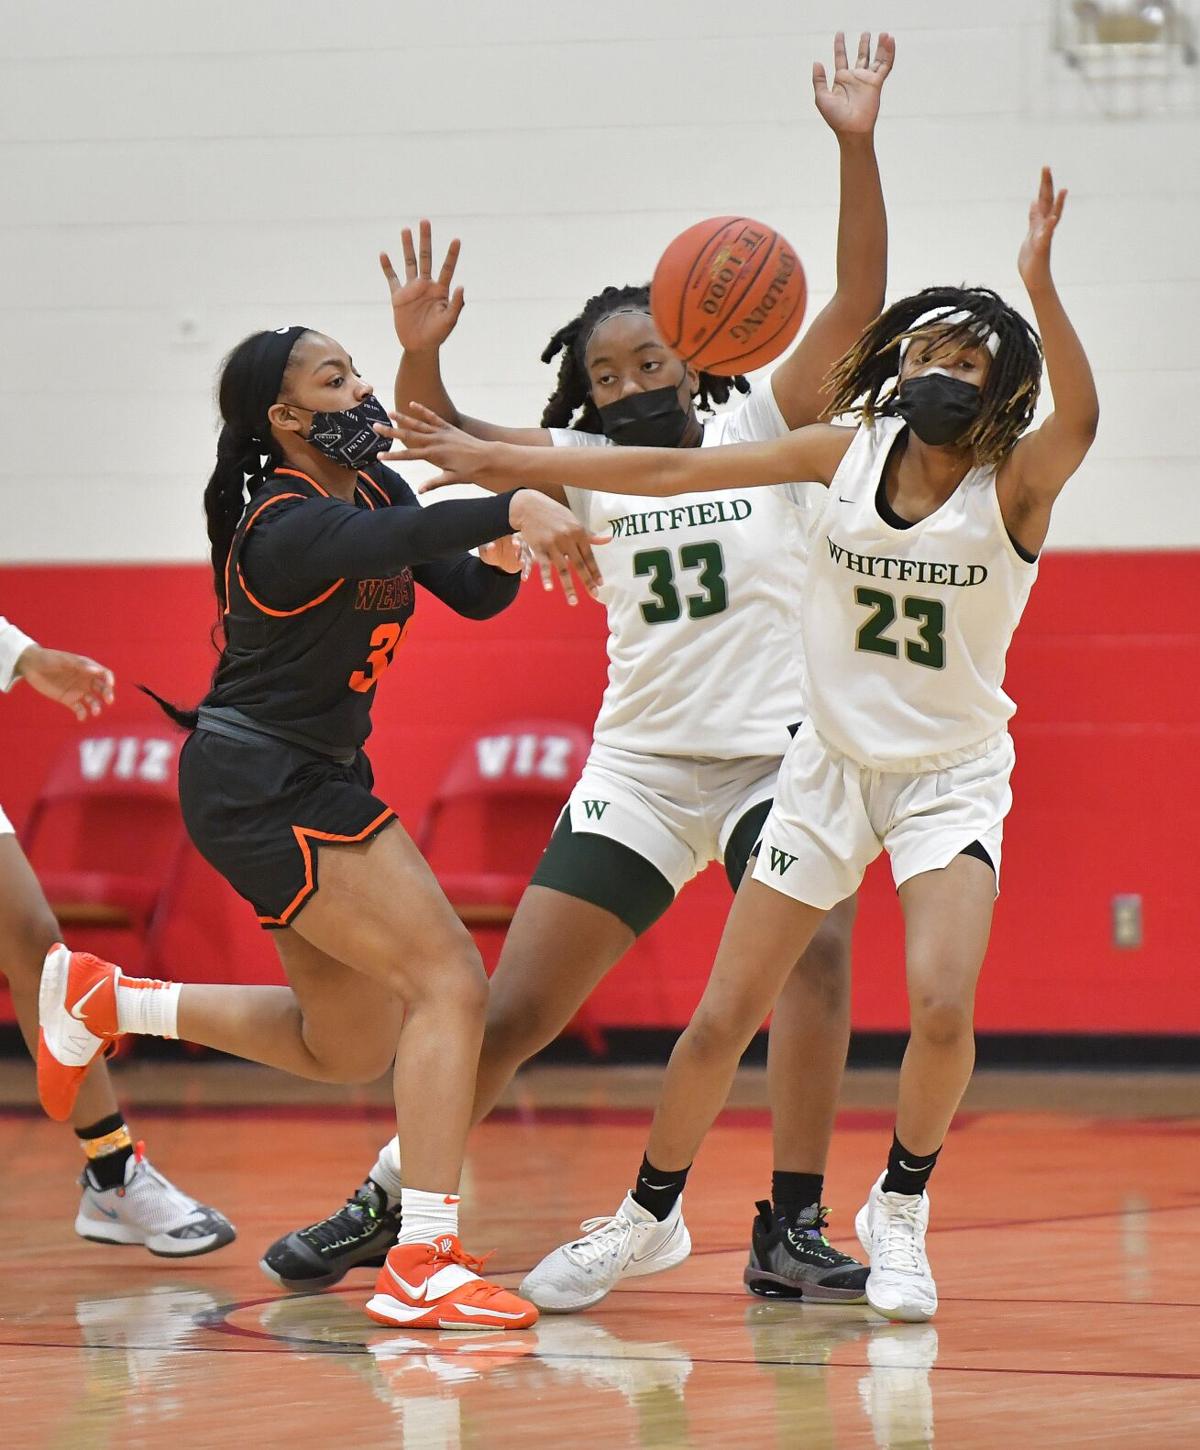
[
  {"x": 125, "y": 1199},
  {"x": 704, "y": 681},
  {"x": 919, "y": 565}
]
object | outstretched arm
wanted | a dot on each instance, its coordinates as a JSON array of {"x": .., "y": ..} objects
[
  {"x": 425, "y": 311},
  {"x": 850, "y": 107},
  {"x": 75, "y": 681},
  {"x": 807, "y": 455},
  {"x": 1040, "y": 464}
]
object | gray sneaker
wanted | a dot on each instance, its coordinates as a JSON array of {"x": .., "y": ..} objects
[
  {"x": 149, "y": 1210},
  {"x": 797, "y": 1261}
]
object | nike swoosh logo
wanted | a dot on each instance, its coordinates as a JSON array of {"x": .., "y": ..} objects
[
  {"x": 107, "y": 1212},
  {"x": 658, "y": 1248},
  {"x": 414, "y": 1291},
  {"x": 908, "y": 1167},
  {"x": 495, "y": 1313},
  {"x": 657, "y": 1187},
  {"x": 91, "y": 992},
  {"x": 843, "y": 499}
]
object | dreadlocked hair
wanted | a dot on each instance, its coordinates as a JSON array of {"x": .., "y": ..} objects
[
  {"x": 573, "y": 393},
  {"x": 864, "y": 382}
]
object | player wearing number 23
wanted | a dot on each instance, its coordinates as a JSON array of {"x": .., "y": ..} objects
[{"x": 920, "y": 562}]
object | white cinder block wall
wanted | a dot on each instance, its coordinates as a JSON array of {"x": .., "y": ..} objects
[{"x": 177, "y": 174}]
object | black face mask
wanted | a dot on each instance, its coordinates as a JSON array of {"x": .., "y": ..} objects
[
  {"x": 348, "y": 438},
  {"x": 938, "y": 409},
  {"x": 652, "y": 419}
]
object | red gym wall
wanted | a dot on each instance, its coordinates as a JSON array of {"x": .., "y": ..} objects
[{"x": 1107, "y": 787}]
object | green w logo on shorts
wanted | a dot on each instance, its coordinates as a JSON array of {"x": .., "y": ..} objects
[
  {"x": 780, "y": 860},
  {"x": 594, "y": 810}
]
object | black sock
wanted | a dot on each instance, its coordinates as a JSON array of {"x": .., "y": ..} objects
[
  {"x": 106, "y": 1170},
  {"x": 658, "y": 1191},
  {"x": 907, "y": 1172},
  {"x": 796, "y": 1197}
]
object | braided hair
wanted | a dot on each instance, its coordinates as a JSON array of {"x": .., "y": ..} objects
[
  {"x": 573, "y": 392},
  {"x": 249, "y": 383},
  {"x": 864, "y": 382}
]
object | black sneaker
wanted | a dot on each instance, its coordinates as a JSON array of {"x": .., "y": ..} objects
[
  {"x": 796, "y": 1261},
  {"x": 359, "y": 1234}
]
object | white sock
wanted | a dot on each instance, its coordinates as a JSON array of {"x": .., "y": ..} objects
[
  {"x": 425, "y": 1217},
  {"x": 386, "y": 1171},
  {"x": 148, "y": 1007}
]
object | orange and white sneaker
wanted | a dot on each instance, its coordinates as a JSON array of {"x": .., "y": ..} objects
[
  {"x": 77, "y": 1019},
  {"x": 436, "y": 1286}
]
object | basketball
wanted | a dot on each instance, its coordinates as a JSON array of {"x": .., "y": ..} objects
[{"x": 728, "y": 295}]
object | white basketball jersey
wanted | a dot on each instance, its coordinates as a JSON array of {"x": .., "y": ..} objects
[
  {"x": 703, "y": 600},
  {"x": 906, "y": 629}
]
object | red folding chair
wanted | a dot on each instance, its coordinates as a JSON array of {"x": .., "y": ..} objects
[
  {"x": 493, "y": 813},
  {"x": 105, "y": 835}
]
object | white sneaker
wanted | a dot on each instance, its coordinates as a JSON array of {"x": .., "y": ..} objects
[
  {"x": 149, "y": 1210},
  {"x": 631, "y": 1242},
  {"x": 891, "y": 1228}
]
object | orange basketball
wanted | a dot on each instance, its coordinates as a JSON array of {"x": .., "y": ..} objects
[{"x": 728, "y": 295}]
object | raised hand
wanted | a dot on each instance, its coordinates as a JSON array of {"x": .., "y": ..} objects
[
  {"x": 1045, "y": 213},
  {"x": 851, "y": 104},
  {"x": 424, "y": 309},
  {"x": 80, "y": 684}
]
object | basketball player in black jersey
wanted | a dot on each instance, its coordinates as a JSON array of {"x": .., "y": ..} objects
[{"x": 316, "y": 579}]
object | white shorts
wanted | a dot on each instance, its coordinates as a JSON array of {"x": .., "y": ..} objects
[
  {"x": 832, "y": 817},
  {"x": 677, "y": 813},
  {"x": 6, "y": 826}
]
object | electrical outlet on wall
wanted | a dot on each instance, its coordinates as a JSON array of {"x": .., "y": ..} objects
[{"x": 1127, "y": 921}]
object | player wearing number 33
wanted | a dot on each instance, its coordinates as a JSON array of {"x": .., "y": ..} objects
[
  {"x": 703, "y": 683},
  {"x": 919, "y": 566},
  {"x": 315, "y": 578}
]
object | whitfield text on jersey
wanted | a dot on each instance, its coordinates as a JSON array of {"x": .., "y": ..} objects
[
  {"x": 658, "y": 521},
  {"x": 920, "y": 571}
]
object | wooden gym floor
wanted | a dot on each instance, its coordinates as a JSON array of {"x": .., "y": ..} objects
[{"x": 1066, "y": 1211}]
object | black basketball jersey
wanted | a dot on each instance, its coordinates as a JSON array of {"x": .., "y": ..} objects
[{"x": 321, "y": 593}]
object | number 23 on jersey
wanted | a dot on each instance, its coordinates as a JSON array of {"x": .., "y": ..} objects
[{"x": 929, "y": 646}]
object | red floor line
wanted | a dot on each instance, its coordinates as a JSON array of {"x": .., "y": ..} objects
[
  {"x": 441, "y": 1349},
  {"x": 996, "y": 1223},
  {"x": 943, "y": 1299},
  {"x": 175, "y": 1348},
  {"x": 849, "y": 1120}
]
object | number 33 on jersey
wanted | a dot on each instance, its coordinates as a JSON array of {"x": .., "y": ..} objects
[{"x": 703, "y": 606}]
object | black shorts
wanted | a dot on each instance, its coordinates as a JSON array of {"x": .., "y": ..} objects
[{"x": 259, "y": 811}]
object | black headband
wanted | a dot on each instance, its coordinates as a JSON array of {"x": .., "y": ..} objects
[{"x": 269, "y": 363}]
